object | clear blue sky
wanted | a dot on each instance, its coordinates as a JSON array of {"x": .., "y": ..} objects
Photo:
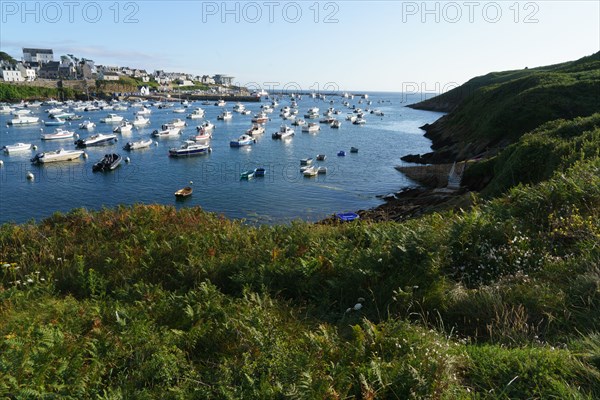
[{"x": 356, "y": 45}]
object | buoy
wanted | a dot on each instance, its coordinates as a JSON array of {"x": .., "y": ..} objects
[
  {"x": 127, "y": 159},
  {"x": 1, "y": 163},
  {"x": 156, "y": 143},
  {"x": 34, "y": 147},
  {"x": 30, "y": 176},
  {"x": 77, "y": 136},
  {"x": 85, "y": 155}
]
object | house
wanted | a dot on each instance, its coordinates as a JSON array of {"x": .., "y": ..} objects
[
  {"x": 41, "y": 56},
  {"x": 223, "y": 80},
  {"x": 87, "y": 69},
  {"x": 145, "y": 90},
  {"x": 10, "y": 73},
  {"x": 207, "y": 80},
  {"x": 108, "y": 76},
  {"x": 27, "y": 72},
  {"x": 49, "y": 70}
]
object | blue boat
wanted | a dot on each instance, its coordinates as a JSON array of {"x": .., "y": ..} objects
[
  {"x": 244, "y": 140},
  {"x": 341, "y": 153},
  {"x": 347, "y": 217},
  {"x": 259, "y": 172}
]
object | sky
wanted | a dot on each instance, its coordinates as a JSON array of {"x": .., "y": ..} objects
[{"x": 425, "y": 46}]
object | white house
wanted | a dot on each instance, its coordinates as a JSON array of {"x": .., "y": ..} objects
[
  {"x": 41, "y": 56},
  {"x": 27, "y": 73},
  {"x": 224, "y": 80},
  {"x": 145, "y": 90},
  {"x": 207, "y": 80},
  {"x": 10, "y": 73},
  {"x": 108, "y": 76}
]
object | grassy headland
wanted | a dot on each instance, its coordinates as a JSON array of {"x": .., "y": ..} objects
[{"x": 498, "y": 301}]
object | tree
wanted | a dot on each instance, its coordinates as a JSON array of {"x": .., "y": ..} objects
[{"x": 6, "y": 57}]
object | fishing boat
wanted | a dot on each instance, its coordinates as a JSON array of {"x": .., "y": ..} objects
[
  {"x": 255, "y": 130},
  {"x": 108, "y": 163},
  {"x": 99, "y": 139},
  {"x": 336, "y": 124},
  {"x": 246, "y": 175},
  {"x": 140, "y": 120},
  {"x": 23, "y": 120},
  {"x": 244, "y": 140},
  {"x": 225, "y": 116},
  {"x": 239, "y": 107},
  {"x": 283, "y": 133},
  {"x": 260, "y": 118},
  {"x": 184, "y": 192},
  {"x": 201, "y": 136},
  {"x": 312, "y": 113},
  {"x": 322, "y": 170},
  {"x": 327, "y": 120},
  {"x": 306, "y": 161},
  {"x": 125, "y": 127},
  {"x": 298, "y": 122},
  {"x": 166, "y": 133},
  {"x": 353, "y": 149},
  {"x": 112, "y": 119},
  {"x": 310, "y": 172},
  {"x": 55, "y": 122},
  {"x": 189, "y": 148},
  {"x": 56, "y": 156},
  {"x": 259, "y": 172},
  {"x": 58, "y": 134},
  {"x": 311, "y": 127},
  {"x": 141, "y": 144},
  {"x": 144, "y": 111},
  {"x": 87, "y": 125},
  {"x": 17, "y": 147},
  {"x": 198, "y": 113},
  {"x": 321, "y": 157},
  {"x": 175, "y": 123},
  {"x": 221, "y": 103},
  {"x": 207, "y": 126}
]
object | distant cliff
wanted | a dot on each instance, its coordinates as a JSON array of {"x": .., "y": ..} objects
[{"x": 492, "y": 111}]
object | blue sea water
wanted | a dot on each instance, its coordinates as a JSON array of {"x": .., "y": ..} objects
[{"x": 352, "y": 182}]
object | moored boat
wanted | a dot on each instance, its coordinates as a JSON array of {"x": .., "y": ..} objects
[
  {"x": 247, "y": 174},
  {"x": 58, "y": 134},
  {"x": 311, "y": 127},
  {"x": 260, "y": 118},
  {"x": 108, "y": 163},
  {"x": 306, "y": 161},
  {"x": 284, "y": 132},
  {"x": 56, "y": 156},
  {"x": 140, "y": 144},
  {"x": 184, "y": 192},
  {"x": 353, "y": 149},
  {"x": 310, "y": 172},
  {"x": 166, "y": 133},
  {"x": 244, "y": 140},
  {"x": 140, "y": 120},
  {"x": 24, "y": 120},
  {"x": 198, "y": 113},
  {"x": 207, "y": 126},
  {"x": 255, "y": 130},
  {"x": 321, "y": 157},
  {"x": 87, "y": 125},
  {"x": 189, "y": 148},
  {"x": 225, "y": 116},
  {"x": 336, "y": 124},
  {"x": 112, "y": 119},
  {"x": 17, "y": 147},
  {"x": 259, "y": 172},
  {"x": 125, "y": 127},
  {"x": 99, "y": 139}
]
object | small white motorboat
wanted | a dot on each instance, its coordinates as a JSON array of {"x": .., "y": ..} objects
[
  {"x": 17, "y": 147},
  {"x": 255, "y": 130},
  {"x": 176, "y": 123},
  {"x": 198, "y": 113},
  {"x": 56, "y": 156},
  {"x": 112, "y": 119},
  {"x": 59, "y": 133},
  {"x": 311, "y": 127},
  {"x": 225, "y": 116},
  {"x": 140, "y": 120},
  {"x": 87, "y": 125},
  {"x": 24, "y": 120},
  {"x": 244, "y": 140},
  {"x": 283, "y": 133},
  {"x": 141, "y": 144},
  {"x": 125, "y": 127},
  {"x": 165, "y": 133},
  {"x": 207, "y": 126}
]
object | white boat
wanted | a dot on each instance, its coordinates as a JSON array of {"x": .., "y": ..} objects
[
  {"x": 225, "y": 116},
  {"x": 140, "y": 120},
  {"x": 310, "y": 172},
  {"x": 141, "y": 144},
  {"x": 246, "y": 112},
  {"x": 91, "y": 107},
  {"x": 221, "y": 103},
  {"x": 202, "y": 136},
  {"x": 176, "y": 123},
  {"x": 190, "y": 148},
  {"x": 6, "y": 109},
  {"x": 298, "y": 122},
  {"x": 207, "y": 126},
  {"x": 56, "y": 156},
  {"x": 55, "y": 122},
  {"x": 87, "y": 125},
  {"x": 239, "y": 107},
  {"x": 311, "y": 127},
  {"x": 24, "y": 120},
  {"x": 306, "y": 161},
  {"x": 179, "y": 110},
  {"x": 17, "y": 147},
  {"x": 284, "y": 132},
  {"x": 99, "y": 139},
  {"x": 125, "y": 127},
  {"x": 59, "y": 133},
  {"x": 255, "y": 130},
  {"x": 165, "y": 133},
  {"x": 21, "y": 111},
  {"x": 144, "y": 111},
  {"x": 312, "y": 113},
  {"x": 244, "y": 140},
  {"x": 120, "y": 107},
  {"x": 266, "y": 108},
  {"x": 351, "y": 118},
  {"x": 51, "y": 111},
  {"x": 359, "y": 121},
  {"x": 260, "y": 118},
  {"x": 112, "y": 119},
  {"x": 322, "y": 170},
  {"x": 198, "y": 113},
  {"x": 336, "y": 124}
]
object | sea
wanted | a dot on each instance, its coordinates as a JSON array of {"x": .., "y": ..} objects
[{"x": 353, "y": 182}]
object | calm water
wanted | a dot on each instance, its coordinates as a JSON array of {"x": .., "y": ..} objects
[{"x": 352, "y": 182}]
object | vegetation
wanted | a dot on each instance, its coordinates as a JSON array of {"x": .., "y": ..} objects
[
  {"x": 499, "y": 301},
  {"x": 12, "y": 93},
  {"x": 6, "y": 57},
  {"x": 495, "y": 110}
]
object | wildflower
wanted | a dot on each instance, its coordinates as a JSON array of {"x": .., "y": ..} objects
[{"x": 29, "y": 280}]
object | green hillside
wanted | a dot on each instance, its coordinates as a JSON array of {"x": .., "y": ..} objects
[{"x": 488, "y": 113}]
